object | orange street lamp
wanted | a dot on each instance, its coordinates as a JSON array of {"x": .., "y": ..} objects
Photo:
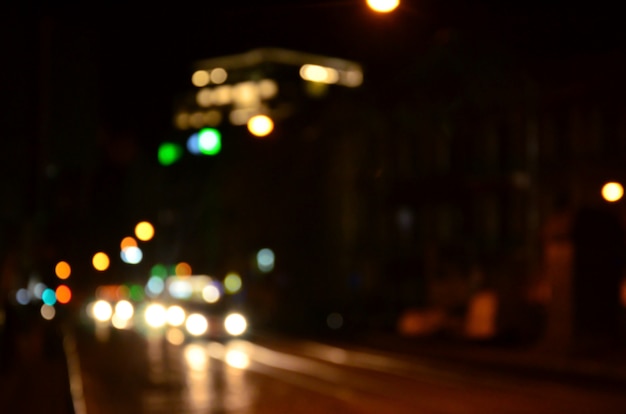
[
  {"x": 612, "y": 191},
  {"x": 383, "y": 6}
]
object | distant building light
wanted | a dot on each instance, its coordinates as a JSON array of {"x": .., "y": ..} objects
[
  {"x": 144, "y": 230},
  {"x": 212, "y": 118},
  {"x": 222, "y": 95},
  {"x": 352, "y": 78},
  {"x": 241, "y": 116},
  {"x": 246, "y": 94},
  {"x": 612, "y": 191},
  {"x": 22, "y": 296},
  {"x": 196, "y": 120},
  {"x": 204, "y": 97},
  {"x": 218, "y": 75},
  {"x": 268, "y": 88},
  {"x": 181, "y": 121},
  {"x": 200, "y": 78},
  {"x": 317, "y": 73},
  {"x": 383, "y": 6},
  {"x": 265, "y": 260},
  {"x": 260, "y": 125},
  {"x": 131, "y": 255},
  {"x": 47, "y": 312},
  {"x": 63, "y": 270}
]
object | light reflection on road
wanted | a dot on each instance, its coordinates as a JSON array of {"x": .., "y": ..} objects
[{"x": 213, "y": 386}]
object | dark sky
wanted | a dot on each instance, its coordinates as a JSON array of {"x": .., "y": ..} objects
[
  {"x": 133, "y": 60},
  {"x": 142, "y": 55}
]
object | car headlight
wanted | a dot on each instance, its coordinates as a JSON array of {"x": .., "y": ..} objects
[
  {"x": 102, "y": 311},
  {"x": 155, "y": 315},
  {"x": 175, "y": 315},
  {"x": 196, "y": 324},
  {"x": 235, "y": 324}
]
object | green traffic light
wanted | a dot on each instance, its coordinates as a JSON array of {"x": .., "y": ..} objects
[
  {"x": 209, "y": 141},
  {"x": 169, "y": 153}
]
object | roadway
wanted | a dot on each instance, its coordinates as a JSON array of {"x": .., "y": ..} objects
[{"x": 127, "y": 372}]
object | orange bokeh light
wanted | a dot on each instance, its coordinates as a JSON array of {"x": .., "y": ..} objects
[
  {"x": 63, "y": 270},
  {"x": 63, "y": 294},
  {"x": 183, "y": 269},
  {"x": 128, "y": 242}
]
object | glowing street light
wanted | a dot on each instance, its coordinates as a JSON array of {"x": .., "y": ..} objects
[
  {"x": 144, "y": 231},
  {"x": 383, "y": 6},
  {"x": 260, "y": 125},
  {"x": 101, "y": 261},
  {"x": 612, "y": 191}
]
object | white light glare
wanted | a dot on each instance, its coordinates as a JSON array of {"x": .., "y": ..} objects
[
  {"x": 155, "y": 315},
  {"x": 196, "y": 324},
  {"x": 317, "y": 73},
  {"x": 235, "y": 324},
  {"x": 175, "y": 315},
  {"x": 102, "y": 311},
  {"x": 131, "y": 255},
  {"x": 124, "y": 310}
]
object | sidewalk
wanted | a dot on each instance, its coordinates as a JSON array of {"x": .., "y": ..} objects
[{"x": 603, "y": 367}]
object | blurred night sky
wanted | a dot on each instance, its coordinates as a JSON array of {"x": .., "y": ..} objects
[
  {"x": 142, "y": 55},
  {"x": 129, "y": 62}
]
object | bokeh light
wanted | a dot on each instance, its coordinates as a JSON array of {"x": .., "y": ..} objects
[
  {"x": 102, "y": 310},
  {"x": 101, "y": 261},
  {"x": 159, "y": 270},
  {"x": 47, "y": 312},
  {"x": 175, "y": 336},
  {"x": 211, "y": 293},
  {"x": 124, "y": 310},
  {"x": 136, "y": 293},
  {"x": 128, "y": 242},
  {"x": 155, "y": 286},
  {"x": 317, "y": 73},
  {"x": 196, "y": 324},
  {"x": 209, "y": 141},
  {"x": 144, "y": 231},
  {"x": 62, "y": 270},
  {"x": 63, "y": 294},
  {"x": 180, "y": 289},
  {"x": 218, "y": 75},
  {"x": 38, "y": 290},
  {"x": 612, "y": 191},
  {"x": 155, "y": 315},
  {"x": 232, "y": 283},
  {"x": 265, "y": 260},
  {"x": 260, "y": 125},
  {"x": 200, "y": 78},
  {"x": 22, "y": 296},
  {"x": 131, "y": 255},
  {"x": 49, "y": 297},
  {"x": 175, "y": 315},
  {"x": 235, "y": 324},
  {"x": 196, "y": 357},
  {"x": 183, "y": 269},
  {"x": 237, "y": 358},
  {"x": 193, "y": 144},
  {"x": 383, "y": 6}
]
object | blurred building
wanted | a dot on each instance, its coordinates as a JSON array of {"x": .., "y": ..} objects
[
  {"x": 460, "y": 179},
  {"x": 496, "y": 173}
]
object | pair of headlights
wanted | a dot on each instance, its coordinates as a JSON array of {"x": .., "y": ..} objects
[{"x": 196, "y": 324}]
